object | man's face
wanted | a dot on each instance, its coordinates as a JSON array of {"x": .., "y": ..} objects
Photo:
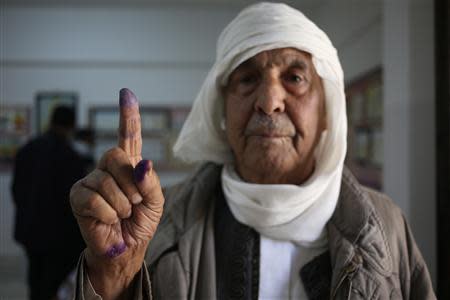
[{"x": 275, "y": 113}]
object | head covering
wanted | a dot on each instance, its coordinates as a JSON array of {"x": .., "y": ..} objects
[{"x": 260, "y": 27}]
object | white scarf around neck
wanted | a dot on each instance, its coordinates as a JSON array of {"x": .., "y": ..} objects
[{"x": 281, "y": 211}]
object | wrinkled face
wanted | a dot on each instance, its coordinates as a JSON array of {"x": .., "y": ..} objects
[{"x": 275, "y": 113}]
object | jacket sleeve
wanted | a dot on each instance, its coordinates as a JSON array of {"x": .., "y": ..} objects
[{"x": 85, "y": 291}]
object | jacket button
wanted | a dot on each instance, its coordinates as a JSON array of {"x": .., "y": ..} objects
[{"x": 354, "y": 264}]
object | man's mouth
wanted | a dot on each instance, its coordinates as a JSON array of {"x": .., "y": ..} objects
[{"x": 270, "y": 135}]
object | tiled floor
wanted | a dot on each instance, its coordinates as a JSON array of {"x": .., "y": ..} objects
[{"x": 12, "y": 278}]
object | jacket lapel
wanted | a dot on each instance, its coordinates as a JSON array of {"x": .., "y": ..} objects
[{"x": 356, "y": 239}]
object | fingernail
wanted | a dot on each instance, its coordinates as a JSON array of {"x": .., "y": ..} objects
[
  {"x": 127, "y": 98},
  {"x": 136, "y": 198},
  {"x": 116, "y": 250},
  {"x": 142, "y": 168}
]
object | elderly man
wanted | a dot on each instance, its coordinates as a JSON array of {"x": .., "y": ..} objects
[{"x": 273, "y": 213}]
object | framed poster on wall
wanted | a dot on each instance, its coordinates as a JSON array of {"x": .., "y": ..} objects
[
  {"x": 46, "y": 103},
  {"x": 14, "y": 131}
]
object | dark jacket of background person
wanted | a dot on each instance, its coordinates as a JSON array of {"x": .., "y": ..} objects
[
  {"x": 84, "y": 142},
  {"x": 44, "y": 171},
  {"x": 372, "y": 253}
]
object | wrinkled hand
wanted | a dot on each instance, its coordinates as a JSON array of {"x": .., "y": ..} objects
[{"x": 118, "y": 205}]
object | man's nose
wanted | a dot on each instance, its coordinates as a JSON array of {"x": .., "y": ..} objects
[{"x": 271, "y": 97}]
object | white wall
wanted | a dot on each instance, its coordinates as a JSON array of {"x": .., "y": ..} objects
[
  {"x": 161, "y": 53},
  {"x": 409, "y": 118},
  {"x": 354, "y": 27}
]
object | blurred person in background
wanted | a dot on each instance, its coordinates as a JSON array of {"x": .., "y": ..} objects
[
  {"x": 44, "y": 170},
  {"x": 84, "y": 142}
]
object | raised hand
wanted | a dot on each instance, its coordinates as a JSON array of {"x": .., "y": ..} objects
[{"x": 118, "y": 206}]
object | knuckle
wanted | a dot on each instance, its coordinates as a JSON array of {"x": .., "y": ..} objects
[
  {"x": 89, "y": 179},
  {"x": 124, "y": 210},
  {"x": 111, "y": 155},
  {"x": 92, "y": 202},
  {"x": 113, "y": 151},
  {"x": 75, "y": 189},
  {"x": 106, "y": 182},
  {"x": 73, "y": 195}
]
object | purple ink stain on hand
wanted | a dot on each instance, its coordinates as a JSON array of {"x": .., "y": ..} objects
[
  {"x": 116, "y": 250},
  {"x": 127, "y": 98},
  {"x": 141, "y": 169}
]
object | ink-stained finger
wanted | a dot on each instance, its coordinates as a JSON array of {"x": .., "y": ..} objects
[
  {"x": 88, "y": 203},
  {"x": 149, "y": 186},
  {"x": 117, "y": 163},
  {"x": 105, "y": 185},
  {"x": 130, "y": 139}
]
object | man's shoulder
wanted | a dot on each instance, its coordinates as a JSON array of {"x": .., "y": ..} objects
[
  {"x": 369, "y": 199},
  {"x": 189, "y": 199},
  {"x": 203, "y": 179},
  {"x": 388, "y": 214},
  {"x": 382, "y": 203},
  {"x": 361, "y": 209}
]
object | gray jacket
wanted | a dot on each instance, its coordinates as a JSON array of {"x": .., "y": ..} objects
[{"x": 372, "y": 251}]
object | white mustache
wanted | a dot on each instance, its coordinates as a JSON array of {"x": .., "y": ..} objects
[{"x": 264, "y": 125}]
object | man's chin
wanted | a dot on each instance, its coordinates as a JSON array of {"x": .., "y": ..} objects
[{"x": 263, "y": 169}]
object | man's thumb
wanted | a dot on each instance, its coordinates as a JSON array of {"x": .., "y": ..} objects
[
  {"x": 147, "y": 182},
  {"x": 142, "y": 169}
]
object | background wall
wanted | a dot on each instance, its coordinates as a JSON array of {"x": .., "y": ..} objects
[
  {"x": 163, "y": 52},
  {"x": 160, "y": 52},
  {"x": 409, "y": 114}
]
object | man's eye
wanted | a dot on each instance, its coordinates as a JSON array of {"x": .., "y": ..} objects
[
  {"x": 294, "y": 78},
  {"x": 248, "y": 79}
]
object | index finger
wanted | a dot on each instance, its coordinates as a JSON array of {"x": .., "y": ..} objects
[{"x": 130, "y": 138}]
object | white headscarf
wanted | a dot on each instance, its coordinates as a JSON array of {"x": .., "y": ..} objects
[{"x": 261, "y": 27}]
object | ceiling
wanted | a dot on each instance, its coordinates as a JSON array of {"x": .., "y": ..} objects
[{"x": 232, "y": 3}]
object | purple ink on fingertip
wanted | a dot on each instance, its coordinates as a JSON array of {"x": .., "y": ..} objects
[
  {"x": 141, "y": 169},
  {"x": 127, "y": 98},
  {"x": 116, "y": 250}
]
